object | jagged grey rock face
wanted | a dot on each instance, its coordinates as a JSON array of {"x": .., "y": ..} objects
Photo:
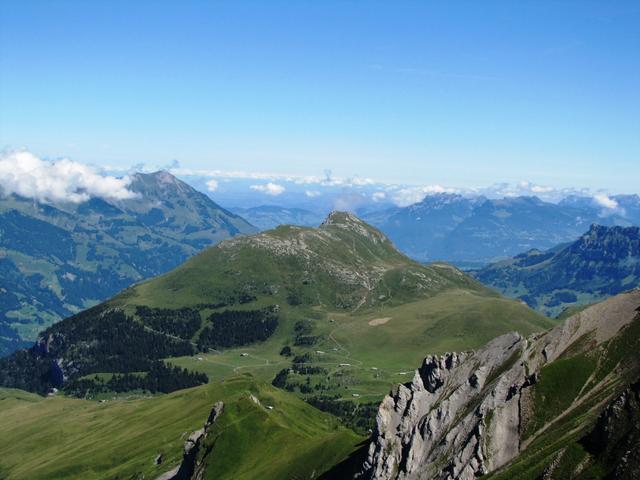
[
  {"x": 462, "y": 414},
  {"x": 415, "y": 438}
]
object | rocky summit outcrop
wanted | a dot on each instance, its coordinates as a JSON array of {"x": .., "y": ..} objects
[
  {"x": 464, "y": 414},
  {"x": 192, "y": 466}
]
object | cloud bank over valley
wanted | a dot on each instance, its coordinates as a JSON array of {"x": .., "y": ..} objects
[{"x": 65, "y": 180}]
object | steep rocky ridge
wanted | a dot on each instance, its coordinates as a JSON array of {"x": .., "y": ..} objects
[
  {"x": 604, "y": 261},
  {"x": 468, "y": 414}
]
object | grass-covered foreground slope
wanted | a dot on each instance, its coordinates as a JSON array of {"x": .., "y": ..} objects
[
  {"x": 64, "y": 438},
  {"x": 603, "y": 262},
  {"x": 334, "y": 312}
]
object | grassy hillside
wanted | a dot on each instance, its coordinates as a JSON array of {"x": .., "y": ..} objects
[
  {"x": 345, "y": 264},
  {"x": 46, "y": 438},
  {"x": 335, "y": 314},
  {"x": 378, "y": 354},
  {"x": 346, "y": 296}
]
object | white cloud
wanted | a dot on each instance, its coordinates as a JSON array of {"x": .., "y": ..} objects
[
  {"x": 609, "y": 205},
  {"x": 314, "y": 181},
  {"x": 362, "y": 181},
  {"x": 544, "y": 192},
  {"x": 401, "y": 194},
  {"x": 541, "y": 189},
  {"x": 528, "y": 188},
  {"x": 24, "y": 174},
  {"x": 239, "y": 174},
  {"x": 212, "y": 185},
  {"x": 378, "y": 196},
  {"x": 605, "y": 201},
  {"x": 410, "y": 195},
  {"x": 268, "y": 188}
]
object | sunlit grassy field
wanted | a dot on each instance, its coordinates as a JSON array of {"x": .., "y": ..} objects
[{"x": 379, "y": 354}]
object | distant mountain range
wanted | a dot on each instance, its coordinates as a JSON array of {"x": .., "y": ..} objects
[
  {"x": 602, "y": 262},
  {"x": 476, "y": 230},
  {"x": 266, "y": 217},
  {"x": 57, "y": 259}
]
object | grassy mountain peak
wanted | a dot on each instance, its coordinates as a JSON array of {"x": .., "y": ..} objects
[{"x": 345, "y": 263}]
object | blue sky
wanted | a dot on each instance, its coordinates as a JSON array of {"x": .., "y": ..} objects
[{"x": 454, "y": 93}]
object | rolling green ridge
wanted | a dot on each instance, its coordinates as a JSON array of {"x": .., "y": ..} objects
[{"x": 363, "y": 305}]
